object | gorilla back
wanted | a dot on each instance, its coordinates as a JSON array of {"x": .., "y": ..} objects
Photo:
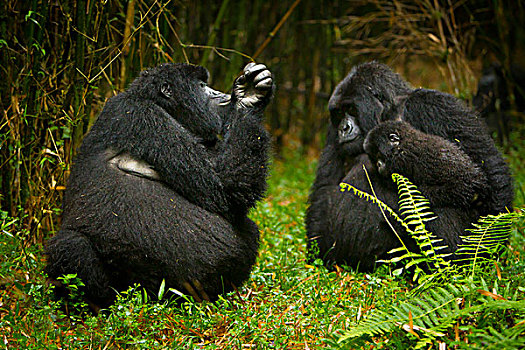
[{"x": 155, "y": 194}]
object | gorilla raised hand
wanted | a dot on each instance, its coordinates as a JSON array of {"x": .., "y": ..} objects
[
  {"x": 345, "y": 229},
  {"x": 162, "y": 185}
]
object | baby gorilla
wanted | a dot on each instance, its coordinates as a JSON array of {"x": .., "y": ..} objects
[
  {"x": 443, "y": 173},
  {"x": 162, "y": 185}
]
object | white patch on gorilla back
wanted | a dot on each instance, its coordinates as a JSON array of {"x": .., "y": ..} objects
[{"x": 132, "y": 166}]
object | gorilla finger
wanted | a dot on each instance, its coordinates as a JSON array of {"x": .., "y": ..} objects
[
  {"x": 200, "y": 289},
  {"x": 262, "y": 75},
  {"x": 192, "y": 292},
  {"x": 241, "y": 80},
  {"x": 251, "y": 100},
  {"x": 255, "y": 69},
  {"x": 264, "y": 84},
  {"x": 249, "y": 65}
]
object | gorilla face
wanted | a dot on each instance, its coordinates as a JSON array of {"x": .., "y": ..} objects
[
  {"x": 354, "y": 110},
  {"x": 385, "y": 142},
  {"x": 360, "y": 100},
  {"x": 348, "y": 129},
  {"x": 182, "y": 91}
]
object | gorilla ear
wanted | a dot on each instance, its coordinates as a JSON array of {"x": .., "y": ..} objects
[{"x": 166, "y": 90}]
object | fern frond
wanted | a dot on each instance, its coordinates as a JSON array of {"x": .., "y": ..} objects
[
  {"x": 491, "y": 339},
  {"x": 382, "y": 206},
  {"x": 412, "y": 205},
  {"x": 486, "y": 238},
  {"x": 431, "y": 313},
  {"x": 415, "y": 210},
  {"x": 346, "y": 187}
]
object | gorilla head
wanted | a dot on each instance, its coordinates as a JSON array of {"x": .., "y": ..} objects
[
  {"x": 182, "y": 91},
  {"x": 385, "y": 143},
  {"x": 395, "y": 146},
  {"x": 358, "y": 102}
]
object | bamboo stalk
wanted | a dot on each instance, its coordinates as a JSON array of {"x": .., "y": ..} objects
[
  {"x": 275, "y": 30},
  {"x": 213, "y": 34},
  {"x": 130, "y": 15}
]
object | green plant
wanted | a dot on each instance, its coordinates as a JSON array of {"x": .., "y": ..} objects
[
  {"x": 426, "y": 318},
  {"x": 429, "y": 312},
  {"x": 484, "y": 240}
]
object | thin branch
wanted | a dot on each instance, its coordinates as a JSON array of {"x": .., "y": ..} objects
[{"x": 276, "y": 29}]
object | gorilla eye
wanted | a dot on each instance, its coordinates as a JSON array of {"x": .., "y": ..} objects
[
  {"x": 166, "y": 90},
  {"x": 352, "y": 110},
  {"x": 393, "y": 137}
]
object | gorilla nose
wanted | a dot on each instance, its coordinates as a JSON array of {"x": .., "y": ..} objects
[
  {"x": 345, "y": 128},
  {"x": 348, "y": 130}
]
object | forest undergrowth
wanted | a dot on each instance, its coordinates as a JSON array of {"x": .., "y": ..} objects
[{"x": 286, "y": 304}]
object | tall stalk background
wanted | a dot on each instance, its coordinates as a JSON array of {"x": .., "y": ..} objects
[{"x": 61, "y": 60}]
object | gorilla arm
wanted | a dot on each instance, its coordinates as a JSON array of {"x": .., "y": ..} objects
[
  {"x": 330, "y": 172},
  {"x": 242, "y": 161},
  {"x": 154, "y": 145},
  {"x": 177, "y": 156}
]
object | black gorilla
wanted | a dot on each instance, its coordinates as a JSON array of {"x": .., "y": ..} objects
[
  {"x": 439, "y": 168},
  {"x": 493, "y": 100},
  {"x": 344, "y": 229},
  {"x": 162, "y": 185}
]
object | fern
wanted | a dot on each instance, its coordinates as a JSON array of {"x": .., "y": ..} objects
[
  {"x": 491, "y": 339},
  {"x": 486, "y": 239},
  {"x": 430, "y": 315},
  {"x": 431, "y": 311},
  {"x": 384, "y": 209},
  {"x": 481, "y": 242},
  {"x": 373, "y": 199},
  {"x": 426, "y": 312},
  {"x": 414, "y": 212},
  {"x": 412, "y": 204}
]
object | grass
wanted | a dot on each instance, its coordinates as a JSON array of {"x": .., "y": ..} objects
[{"x": 287, "y": 303}]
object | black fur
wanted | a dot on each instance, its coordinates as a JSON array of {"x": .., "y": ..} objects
[
  {"x": 493, "y": 99},
  {"x": 154, "y": 194},
  {"x": 344, "y": 229},
  {"x": 439, "y": 168}
]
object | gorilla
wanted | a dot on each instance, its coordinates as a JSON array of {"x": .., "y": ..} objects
[
  {"x": 344, "y": 229},
  {"x": 162, "y": 185},
  {"x": 493, "y": 99},
  {"x": 445, "y": 175}
]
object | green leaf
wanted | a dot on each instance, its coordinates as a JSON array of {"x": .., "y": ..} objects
[{"x": 161, "y": 289}]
